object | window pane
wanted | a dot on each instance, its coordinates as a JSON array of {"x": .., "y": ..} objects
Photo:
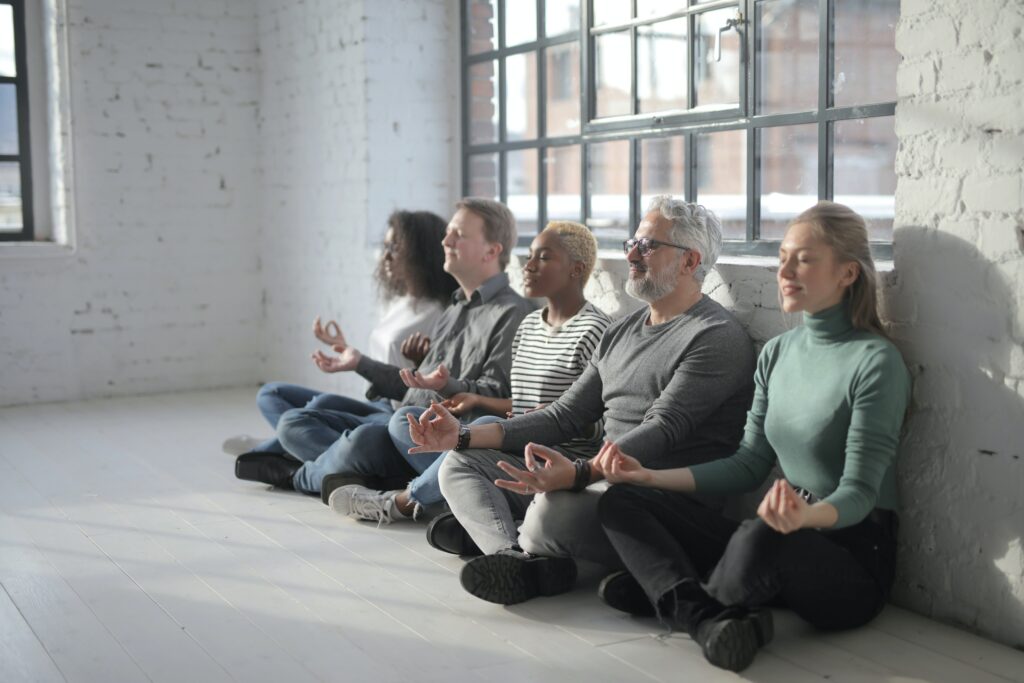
[
  {"x": 661, "y": 65},
  {"x": 564, "y": 184},
  {"x": 789, "y": 176},
  {"x": 864, "y": 161},
  {"x": 722, "y": 179},
  {"x": 662, "y": 168},
  {"x": 483, "y": 103},
  {"x": 608, "y": 190},
  {"x": 520, "y": 22},
  {"x": 522, "y": 191},
  {"x": 613, "y": 74},
  {"x": 8, "y": 119},
  {"x": 611, "y": 11},
  {"x": 521, "y": 96},
  {"x": 865, "y": 51},
  {"x": 788, "y": 60},
  {"x": 563, "y": 101},
  {"x": 10, "y": 197},
  {"x": 561, "y": 16},
  {"x": 483, "y": 25},
  {"x": 718, "y": 81},
  {"x": 657, "y": 8},
  {"x": 483, "y": 176},
  {"x": 7, "y": 63}
]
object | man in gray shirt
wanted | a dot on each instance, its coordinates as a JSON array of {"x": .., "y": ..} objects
[
  {"x": 673, "y": 382},
  {"x": 470, "y": 350}
]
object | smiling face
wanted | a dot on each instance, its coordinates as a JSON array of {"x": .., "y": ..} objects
[
  {"x": 810, "y": 277},
  {"x": 656, "y": 275},
  {"x": 549, "y": 269}
]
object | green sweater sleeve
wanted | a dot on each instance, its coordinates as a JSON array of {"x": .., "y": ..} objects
[
  {"x": 746, "y": 469},
  {"x": 881, "y": 392}
]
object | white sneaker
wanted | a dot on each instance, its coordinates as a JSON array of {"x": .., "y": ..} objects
[
  {"x": 240, "y": 443},
  {"x": 360, "y": 502}
]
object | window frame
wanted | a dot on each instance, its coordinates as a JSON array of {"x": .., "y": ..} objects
[
  {"x": 24, "y": 156},
  {"x": 642, "y": 126}
]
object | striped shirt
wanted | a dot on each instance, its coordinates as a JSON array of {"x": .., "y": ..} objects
[{"x": 547, "y": 360}]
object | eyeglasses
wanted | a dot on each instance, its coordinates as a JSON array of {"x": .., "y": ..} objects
[{"x": 645, "y": 245}]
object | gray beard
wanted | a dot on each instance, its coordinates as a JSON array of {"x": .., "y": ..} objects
[{"x": 651, "y": 288}]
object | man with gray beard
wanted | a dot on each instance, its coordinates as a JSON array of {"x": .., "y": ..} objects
[{"x": 672, "y": 381}]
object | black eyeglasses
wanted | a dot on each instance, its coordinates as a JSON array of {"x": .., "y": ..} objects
[{"x": 645, "y": 245}]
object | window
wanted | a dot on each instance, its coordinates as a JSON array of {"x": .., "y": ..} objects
[
  {"x": 584, "y": 109},
  {"x": 16, "y": 215}
]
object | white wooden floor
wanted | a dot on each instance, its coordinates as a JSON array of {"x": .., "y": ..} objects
[{"x": 129, "y": 552}]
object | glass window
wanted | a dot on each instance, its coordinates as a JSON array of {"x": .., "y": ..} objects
[
  {"x": 662, "y": 168},
  {"x": 564, "y": 183},
  {"x": 483, "y": 103},
  {"x": 788, "y": 56},
  {"x": 561, "y": 16},
  {"x": 611, "y": 12},
  {"x": 521, "y": 97},
  {"x": 864, "y": 153},
  {"x": 722, "y": 179},
  {"x": 608, "y": 186},
  {"x": 563, "y": 86},
  {"x": 483, "y": 25},
  {"x": 11, "y": 220},
  {"x": 717, "y": 73},
  {"x": 789, "y": 175},
  {"x": 522, "y": 197},
  {"x": 658, "y": 8},
  {"x": 520, "y": 22},
  {"x": 865, "y": 51},
  {"x": 614, "y": 72},
  {"x": 661, "y": 65},
  {"x": 482, "y": 175},
  {"x": 8, "y": 118}
]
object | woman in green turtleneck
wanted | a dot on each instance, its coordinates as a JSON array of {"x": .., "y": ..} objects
[{"x": 829, "y": 402}]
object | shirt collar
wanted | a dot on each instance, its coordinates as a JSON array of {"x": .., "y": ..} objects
[{"x": 485, "y": 292}]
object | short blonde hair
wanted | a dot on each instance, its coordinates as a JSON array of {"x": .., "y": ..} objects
[{"x": 579, "y": 242}]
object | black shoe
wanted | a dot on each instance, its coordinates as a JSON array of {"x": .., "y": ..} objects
[
  {"x": 339, "y": 479},
  {"x": 269, "y": 468},
  {"x": 510, "y": 576},
  {"x": 621, "y": 591},
  {"x": 447, "y": 535},
  {"x": 731, "y": 642}
]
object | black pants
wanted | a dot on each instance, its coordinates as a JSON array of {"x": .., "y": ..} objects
[{"x": 671, "y": 543}]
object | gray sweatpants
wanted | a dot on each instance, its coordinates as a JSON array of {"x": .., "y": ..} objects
[{"x": 560, "y": 524}]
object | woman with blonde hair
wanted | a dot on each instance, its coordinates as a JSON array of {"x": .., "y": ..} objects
[{"x": 828, "y": 406}]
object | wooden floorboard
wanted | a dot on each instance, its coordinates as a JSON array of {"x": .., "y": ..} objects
[{"x": 131, "y": 553}]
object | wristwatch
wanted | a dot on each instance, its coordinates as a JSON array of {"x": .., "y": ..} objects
[{"x": 463, "y": 442}]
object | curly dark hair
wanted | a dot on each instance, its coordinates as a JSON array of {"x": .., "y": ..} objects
[{"x": 416, "y": 240}]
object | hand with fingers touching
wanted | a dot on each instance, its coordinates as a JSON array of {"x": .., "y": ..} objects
[
  {"x": 345, "y": 361},
  {"x": 329, "y": 334},
  {"x": 783, "y": 509},
  {"x": 415, "y": 347},
  {"x": 432, "y": 381},
  {"x": 462, "y": 403},
  {"x": 555, "y": 474},
  {"x": 618, "y": 467},
  {"x": 436, "y": 430}
]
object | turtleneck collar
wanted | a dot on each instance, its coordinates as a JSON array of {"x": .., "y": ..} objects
[{"x": 830, "y": 324}]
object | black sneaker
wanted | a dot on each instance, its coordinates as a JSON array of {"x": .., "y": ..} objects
[
  {"x": 731, "y": 642},
  {"x": 268, "y": 468},
  {"x": 511, "y": 576},
  {"x": 447, "y": 535},
  {"x": 621, "y": 591}
]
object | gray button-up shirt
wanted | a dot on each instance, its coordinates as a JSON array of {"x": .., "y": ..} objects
[{"x": 473, "y": 338}]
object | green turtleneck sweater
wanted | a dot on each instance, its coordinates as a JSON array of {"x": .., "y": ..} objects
[{"x": 828, "y": 403}]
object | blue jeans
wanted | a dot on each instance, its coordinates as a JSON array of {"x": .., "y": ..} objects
[
  {"x": 328, "y": 441},
  {"x": 426, "y": 488},
  {"x": 274, "y": 399}
]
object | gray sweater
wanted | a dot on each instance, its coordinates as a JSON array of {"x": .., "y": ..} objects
[{"x": 671, "y": 395}]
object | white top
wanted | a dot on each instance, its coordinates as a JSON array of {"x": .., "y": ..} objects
[
  {"x": 403, "y": 316},
  {"x": 547, "y": 360}
]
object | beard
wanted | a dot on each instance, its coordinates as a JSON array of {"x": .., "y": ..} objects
[{"x": 652, "y": 286}]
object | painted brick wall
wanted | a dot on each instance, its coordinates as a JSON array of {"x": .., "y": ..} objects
[{"x": 159, "y": 295}]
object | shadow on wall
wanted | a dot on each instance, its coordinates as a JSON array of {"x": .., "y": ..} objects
[{"x": 961, "y": 464}]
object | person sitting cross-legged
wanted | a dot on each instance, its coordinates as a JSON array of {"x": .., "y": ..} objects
[
  {"x": 672, "y": 382},
  {"x": 551, "y": 348},
  {"x": 830, "y": 400}
]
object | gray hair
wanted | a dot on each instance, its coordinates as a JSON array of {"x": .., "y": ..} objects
[{"x": 693, "y": 226}]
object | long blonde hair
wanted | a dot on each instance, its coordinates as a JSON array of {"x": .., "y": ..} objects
[{"x": 844, "y": 230}]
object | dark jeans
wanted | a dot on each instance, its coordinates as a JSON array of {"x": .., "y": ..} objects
[{"x": 670, "y": 543}]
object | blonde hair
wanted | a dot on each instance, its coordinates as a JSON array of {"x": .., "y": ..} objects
[
  {"x": 844, "y": 230},
  {"x": 579, "y": 242},
  {"x": 499, "y": 224}
]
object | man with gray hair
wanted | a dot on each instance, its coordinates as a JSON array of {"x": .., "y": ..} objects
[{"x": 673, "y": 382}]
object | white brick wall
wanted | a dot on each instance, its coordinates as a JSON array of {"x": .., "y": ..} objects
[{"x": 159, "y": 295}]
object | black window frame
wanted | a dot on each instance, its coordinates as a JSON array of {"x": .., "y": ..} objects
[
  {"x": 637, "y": 127},
  {"x": 24, "y": 156}
]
